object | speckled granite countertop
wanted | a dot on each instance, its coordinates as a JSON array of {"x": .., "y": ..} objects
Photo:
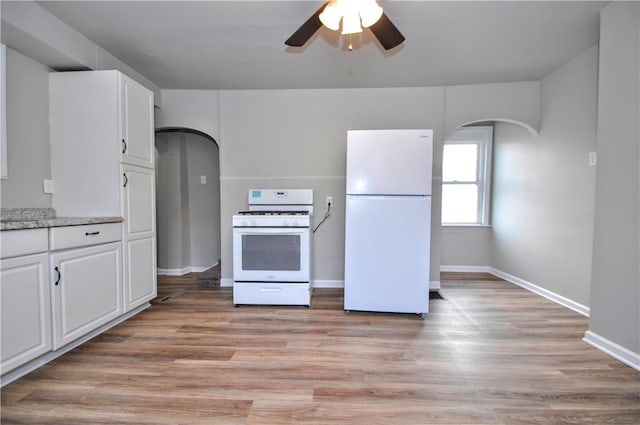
[{"x": 34, "y": 218}]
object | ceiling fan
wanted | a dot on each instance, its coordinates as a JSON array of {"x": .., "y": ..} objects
[{"x": 354, "y": 14}]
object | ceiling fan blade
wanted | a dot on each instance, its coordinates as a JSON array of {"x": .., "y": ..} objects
[
  {"x": 304, "y": 33},
  {"x": 387, "y": 33}
]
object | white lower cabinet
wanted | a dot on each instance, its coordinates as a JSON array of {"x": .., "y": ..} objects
[
  {"x": 86, "y": 290},
  {"x": 139, "y": 210},
  {"x": 26, "y": 310},
  {"x": 140, "y": 278}
]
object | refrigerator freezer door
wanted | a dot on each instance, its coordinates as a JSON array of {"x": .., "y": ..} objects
[
  {"x": 389, "y": 162},
  {"x": 387, "y": 245}
]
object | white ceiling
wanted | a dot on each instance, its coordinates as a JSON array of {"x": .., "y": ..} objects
[{"x": 240, "y": 44}]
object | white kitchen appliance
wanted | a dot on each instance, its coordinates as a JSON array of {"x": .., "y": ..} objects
[
  {"x": 388, "y": 221},
  {"x": 272, "y": 248}
]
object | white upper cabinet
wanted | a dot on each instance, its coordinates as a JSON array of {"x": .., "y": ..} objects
[
  {"x": 97, "y": 120},
  {"x": 137, "y": 125}
]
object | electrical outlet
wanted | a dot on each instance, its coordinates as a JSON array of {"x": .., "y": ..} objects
[
  {"x": 329, "y": 201},
  {"x": 593, "y": 159},
  {"x": 47, "y": 186}
]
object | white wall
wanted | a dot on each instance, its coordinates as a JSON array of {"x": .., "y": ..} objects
[
  {"x": 184, "y": 222},
  {"x": 188, "y": 212},
  {"x": 27, "y": 133},
  {"x": 469, "y": 247},
  {"x": 172, "y": 217},
  {"x": 204, "y": 201},
  {"x": 465, "y": 248},
  {"x": 615, "y": 291},
  {"x": 543, "y": 193},
  {"x": 35, "y": 32},
  {"x": 302, "y": 133},
  {"x": 297, "y": 139},
  {"x": 194, "y": 109},
  {"x": 516, "y": 102}
]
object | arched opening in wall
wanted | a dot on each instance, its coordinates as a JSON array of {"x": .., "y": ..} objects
[
  {"x": 187, "y": 202},
  {"x": 467, "y": 170},
  {"x": 469, "y": 236},
  {"x": 493, "y": 122}
]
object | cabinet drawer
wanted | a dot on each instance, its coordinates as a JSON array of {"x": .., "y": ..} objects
[
  {"x": 15, "y": 243},
  {"x": 90, "y": 234}
]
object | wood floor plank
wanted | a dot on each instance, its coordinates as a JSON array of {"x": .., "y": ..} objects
[{"x": 488, "y": 353}]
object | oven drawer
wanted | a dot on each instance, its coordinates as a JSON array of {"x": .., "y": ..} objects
[{"x": 276, "y": 293}]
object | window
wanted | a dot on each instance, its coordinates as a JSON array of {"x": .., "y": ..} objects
[{"x": 466, "y": 176}]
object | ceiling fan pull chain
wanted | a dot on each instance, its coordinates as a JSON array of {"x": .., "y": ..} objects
[{"x": 350, "y": 47}]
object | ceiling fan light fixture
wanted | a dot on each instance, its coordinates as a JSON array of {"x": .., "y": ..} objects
[
  {"x": 351, "y": 23},
  {"x": 370, "y": 12},
  {"x": 331, "y": 15},
  {"x": 354, "y": 14}
]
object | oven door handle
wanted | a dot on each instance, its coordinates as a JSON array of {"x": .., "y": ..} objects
[{"x": 271, "y": 230}]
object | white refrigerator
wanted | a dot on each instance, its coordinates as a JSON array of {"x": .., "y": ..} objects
[{"x": 388, "y": 221}]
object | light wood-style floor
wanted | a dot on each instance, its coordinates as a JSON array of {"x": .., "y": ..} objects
[{"x": 491, "y": 353}]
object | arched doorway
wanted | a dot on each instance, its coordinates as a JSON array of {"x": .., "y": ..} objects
[{"x": 188, "y": 201}]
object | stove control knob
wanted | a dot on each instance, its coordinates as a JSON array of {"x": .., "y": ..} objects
[
  {"x": 285, "y": 223},
  {"x": 294, "y": 223},
  {"x": 254, "y": 222},
  {"x": 245, "y": 223}
]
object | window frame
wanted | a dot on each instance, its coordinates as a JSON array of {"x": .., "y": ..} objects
[{"x": 482, "y": 136}]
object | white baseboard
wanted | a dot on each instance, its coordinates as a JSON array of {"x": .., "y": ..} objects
[
  {"x": 184, "y": 270},
  {"x": 328, "y": 283},
  {"x": 616, "y": 351},
  {"x": 434, "y": 285},
  {"x": 174, "y": 272},
  {"x": 199, "y": 269},
  {"x": 557, "y": 298},
  {"x": 195, "y": 269},
  {"x": 465, "y": 269}
]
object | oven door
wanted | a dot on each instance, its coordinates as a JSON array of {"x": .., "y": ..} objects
[{"x": 271, "y": 254}]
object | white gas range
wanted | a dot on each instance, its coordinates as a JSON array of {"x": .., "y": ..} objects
[{"x": 272, "y": 248}]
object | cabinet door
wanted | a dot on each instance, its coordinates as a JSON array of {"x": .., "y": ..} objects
[
  {"x": 26, "y": 310},
  {"x": 84, "y": 132},
  {"x": 140, "y": 281},
  {"x": 138, "y": 201},
  {"x": 139, "y": 212},
  {"x": 87, "y": 290},
  {"x": 137, "y": 121}
]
